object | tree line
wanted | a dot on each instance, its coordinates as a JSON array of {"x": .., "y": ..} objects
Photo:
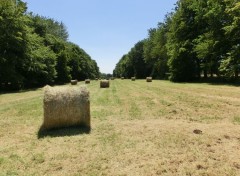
[
  {"x": 200, "y": 39},
  {"x": 35, "y": 51}
]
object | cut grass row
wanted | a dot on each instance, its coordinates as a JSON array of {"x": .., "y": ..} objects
[{"x": 138, "y": 128}]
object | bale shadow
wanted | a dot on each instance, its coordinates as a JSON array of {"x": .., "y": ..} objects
[{"x": 65, "y": 131}]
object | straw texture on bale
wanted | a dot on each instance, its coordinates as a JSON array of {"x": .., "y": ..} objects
[
  {"x": 64, "y": 107},
  {"x": 133, "y": 78},
  {"x": 74, "y": 82},
  {"x": 104, "y": 84},
  {"x": 87, "y": 81},
  {"x": 149, "y": 79}
]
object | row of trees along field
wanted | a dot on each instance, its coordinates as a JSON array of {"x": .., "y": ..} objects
[
  {"x": 200, "y": 39},
  {"x": 35, "y": 51}
]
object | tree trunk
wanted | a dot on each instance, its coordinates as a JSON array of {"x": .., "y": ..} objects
[
  {"x": 236, "y": 73},
  {"x": 198, "y": 69},
  {"x": 211, "y": 73},
  {"x": 205, "y": 73}
]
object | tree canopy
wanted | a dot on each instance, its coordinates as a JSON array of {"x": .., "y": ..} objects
[
  {"x": 200, "y": 39},
  {"x": 35, "y": 51}
]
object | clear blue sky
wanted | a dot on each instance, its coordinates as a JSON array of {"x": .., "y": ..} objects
[{"x": 105, "y": 29}]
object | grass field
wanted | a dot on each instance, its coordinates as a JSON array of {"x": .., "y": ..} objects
[{"x": 138, "y": 128}]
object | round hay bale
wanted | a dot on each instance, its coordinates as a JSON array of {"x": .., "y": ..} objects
[
  {"x": 112, "y": 78},
  {"x": 133, "y": 78},
  {"x": 96, "y": 79},
  {"x": 104, "y": 84},
  {"x": 87, "y": 81},
  {"x": 74, "y": 82},
  {"x": 122, "y": 78},
  {"x": 65, "y": 106},
  {"x": 149, "y": 79}
]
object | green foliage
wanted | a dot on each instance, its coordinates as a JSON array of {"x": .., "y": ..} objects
[
  {"x": 12, "y": 43},
  {"x": 199, "y": 38},
  {"x": 34, "y": 50},
  {"x": 155, "y": 51},
  {"x": 39, "y": 67},
  {"x": 121, "y": 67},
  {"x": 136, "y": 57},
  {"x": 230, "y": 65},
  {"x": 44, "y": 26},
  {"x": 182, "y": 60},
  {"x": 62, "y": 68},
  {"x": 132, "y": 64}
]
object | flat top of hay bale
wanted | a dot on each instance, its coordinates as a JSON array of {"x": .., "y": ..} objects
[
  {"x": 104, "y": 80},
  {"x": 50, "y": 92}
]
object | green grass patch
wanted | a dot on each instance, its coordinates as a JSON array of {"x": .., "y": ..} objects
[{"x": 236, "y": 119}]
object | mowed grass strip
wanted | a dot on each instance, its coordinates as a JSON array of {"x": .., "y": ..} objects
[{"x": 138, "y": 128}]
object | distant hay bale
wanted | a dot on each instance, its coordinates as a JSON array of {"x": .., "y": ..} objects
[
  {"x": 74, "y": 82},
  {"x": 87, "y": 81},
  {"x": 133, "y": 78},
  {"x": 96, "y": 79},
  {"x": 104, "y": 84},
  {"x": 65, "y": 106},
  {"x": 122, "y": 78},
  {"x": 149, "y": 79},
  {"x": 112, "y": 78}
]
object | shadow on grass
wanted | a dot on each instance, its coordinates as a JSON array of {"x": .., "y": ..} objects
[
  {"x": 219, "y": 81},
  {"x": 17, "y": 91},
  {"x": 66, "y": 131}
]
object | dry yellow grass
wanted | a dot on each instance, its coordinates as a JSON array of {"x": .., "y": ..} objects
[{"x": 137, "y": 129}]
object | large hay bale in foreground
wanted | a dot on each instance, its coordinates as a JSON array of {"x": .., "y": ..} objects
[
  {"x": 149, "y": 79},
  {"x": 74, "y": 82},
  {"x": 87, "y": 81},
  {"x": 133, "y": 78},
  {"x": 104, "y": 84},
  {"x": 65, "y": 107}
]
